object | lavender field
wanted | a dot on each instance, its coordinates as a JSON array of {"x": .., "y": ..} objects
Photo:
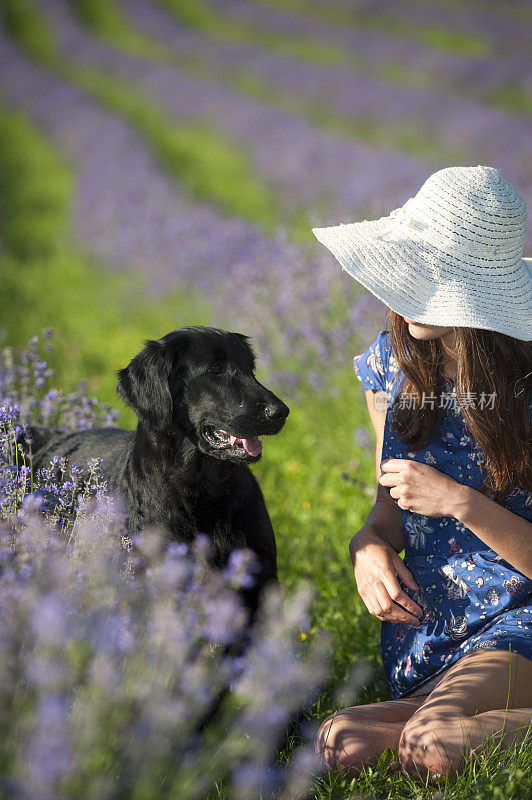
[{"x": 162, "y": 163}]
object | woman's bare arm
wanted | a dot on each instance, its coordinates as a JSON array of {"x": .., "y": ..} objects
[
  {"x": 385, "y": 516},
  {"x": 374, "y": 548},
  {"x": 501, "y": 529},
  {"x": 385, "y": 519}
]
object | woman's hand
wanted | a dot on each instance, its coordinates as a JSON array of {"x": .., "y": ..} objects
[
  {"x": 421, "y": 488},
  {"x": 376, "y": 566}
]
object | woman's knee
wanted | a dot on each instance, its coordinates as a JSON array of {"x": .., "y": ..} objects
[
  {"x": 351, "y": 736},
  {"x": 329, "y": 739},
  {"x": 343, "y": 740},
  {"x": 422, "y": 750}
]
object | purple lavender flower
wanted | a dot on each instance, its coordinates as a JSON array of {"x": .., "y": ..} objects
[
  {"x": 63, "y": 495},
  {"x": 110, "y": 672}
]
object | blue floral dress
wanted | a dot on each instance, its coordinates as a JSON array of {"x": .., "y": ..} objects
[{"x": 471, "y": 597}]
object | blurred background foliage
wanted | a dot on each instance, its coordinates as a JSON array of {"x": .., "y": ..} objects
[{"x": 162, "y": 163}]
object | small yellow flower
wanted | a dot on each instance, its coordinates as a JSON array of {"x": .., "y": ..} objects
[
  {"x": 303, "y": 636},
  {"x": 306, "y": 505}
]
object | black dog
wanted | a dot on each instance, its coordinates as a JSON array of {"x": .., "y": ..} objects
[{"x": 200, "y": 412}]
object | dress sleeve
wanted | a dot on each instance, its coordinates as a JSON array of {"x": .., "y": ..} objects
[{"x": 371, "y": 367}]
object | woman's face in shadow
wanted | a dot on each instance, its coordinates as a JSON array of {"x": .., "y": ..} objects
[{"x": 419, "y": 330}]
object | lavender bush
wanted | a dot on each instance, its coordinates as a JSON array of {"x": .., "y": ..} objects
[
  {"x": 25, "y": 383},
  {"x": 27, "y": 404},
  {"x": 281, "y": 146},
  {"x": 448, "y": 127},
  {"x": 116, "y": 651},
  {"x": 111, "y": 663},
  {"x": 399, "y": 58}
]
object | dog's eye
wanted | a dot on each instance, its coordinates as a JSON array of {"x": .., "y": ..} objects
[{"x": 215, "y": 369}]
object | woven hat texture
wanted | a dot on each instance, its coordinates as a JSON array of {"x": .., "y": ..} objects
[{"x": 451, "y": 256}]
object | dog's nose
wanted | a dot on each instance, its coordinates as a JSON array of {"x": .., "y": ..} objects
[{"x": 276, "y": 411}]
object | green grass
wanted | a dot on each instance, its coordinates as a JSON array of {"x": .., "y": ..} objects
[
  {"x": 512, "y": 98},
  {"x": 207, "y": 164},
  {"x": 516, "y": 9},
  {"x": 49, "y": 276},
  {"x": 404, "y": 137},
  {"x": 110, "y": 21},
  {"x": 494, "y": 774},
  {"x": 210, "y": 167},
  {"x": 107, "y": 19}
]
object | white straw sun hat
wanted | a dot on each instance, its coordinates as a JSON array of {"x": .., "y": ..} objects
[{"x": 451, "y": 256}]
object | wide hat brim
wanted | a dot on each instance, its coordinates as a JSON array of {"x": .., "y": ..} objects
[{"x": 431, "y": 284}]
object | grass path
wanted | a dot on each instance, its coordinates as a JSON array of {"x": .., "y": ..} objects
[
  {"x": 202, "y": 16},
  {"x": 210, "y": 164},
  {"x": 436, "y": 143}
]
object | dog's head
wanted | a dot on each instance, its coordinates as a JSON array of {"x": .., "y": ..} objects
[{"x": 200, "y": 382}]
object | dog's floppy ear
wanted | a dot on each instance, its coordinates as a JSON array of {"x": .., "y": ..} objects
[
  {"x": 143, "y": 384},
  {"x": 246, "y": 341}
]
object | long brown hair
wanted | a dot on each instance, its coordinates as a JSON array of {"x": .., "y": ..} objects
[{"x": 486, "y": 361}]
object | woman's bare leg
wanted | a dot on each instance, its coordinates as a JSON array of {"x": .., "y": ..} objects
[
  {"x": 357, "y": 736},
  {"x": 485, "y": 693},
  {"x": 435, "y": 748}
]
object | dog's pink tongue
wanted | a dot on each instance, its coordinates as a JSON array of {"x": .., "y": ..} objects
[{"x": 253, "y": 446}]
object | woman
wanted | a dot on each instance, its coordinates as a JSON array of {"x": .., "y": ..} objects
[{"x": 455, "y": 486}]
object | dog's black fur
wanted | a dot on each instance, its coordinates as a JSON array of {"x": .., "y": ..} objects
[{"x": 173, "y": 471}]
